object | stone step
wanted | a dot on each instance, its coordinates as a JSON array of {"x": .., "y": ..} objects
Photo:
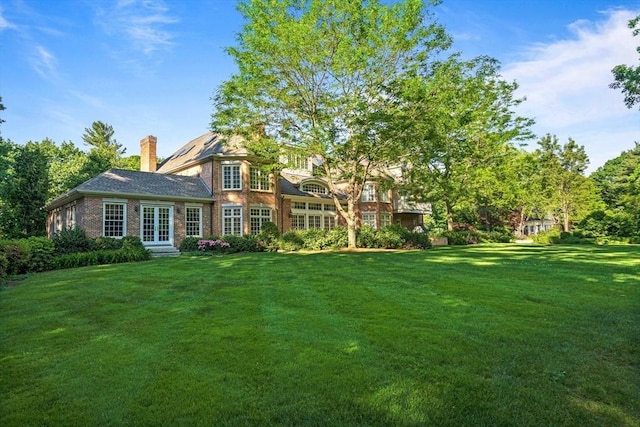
[{"x": 160, "y": 251}]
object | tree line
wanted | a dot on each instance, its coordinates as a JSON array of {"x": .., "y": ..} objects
[{"x": 33, "y": 174}]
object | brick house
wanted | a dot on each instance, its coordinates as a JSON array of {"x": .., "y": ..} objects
[{"x": 210, "y": 187}]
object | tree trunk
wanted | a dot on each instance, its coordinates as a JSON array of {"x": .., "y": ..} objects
[
  {"x": 449, "y": 215},
  {"x": 352, "y": 241}
]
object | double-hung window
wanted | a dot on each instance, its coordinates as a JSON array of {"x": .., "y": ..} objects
[
  {"x": 193, "y": 221},
  {"x": 232, "y": 220},
  {"x": 258, "y": 217},
  {"x": 114, "y": 216},
  {"x": 231, "y": 178}
]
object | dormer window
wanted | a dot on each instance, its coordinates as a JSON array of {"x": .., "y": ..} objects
[{"x": 314, "y": 187}]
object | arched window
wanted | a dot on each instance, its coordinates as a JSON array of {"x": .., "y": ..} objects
[{"x": 314, "y": 187}]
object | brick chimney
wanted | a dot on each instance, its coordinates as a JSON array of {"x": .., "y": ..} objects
[{"x": 148, "y": 153}]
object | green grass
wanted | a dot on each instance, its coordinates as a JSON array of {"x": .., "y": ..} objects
[{"x": 484, "y": 335}]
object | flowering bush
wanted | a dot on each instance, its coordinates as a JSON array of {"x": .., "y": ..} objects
[{"x": 213, "y": 245}]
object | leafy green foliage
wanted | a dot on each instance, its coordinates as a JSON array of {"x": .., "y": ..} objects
[
  {"x": 568, "y": 193},
  {"x": 455, "y": 120},
  {"x": 269, "y": 235},
  {"x": 70, "y": 240},
  {"x": 627, "y": 77},
  {"x": 311, "y": 83}
]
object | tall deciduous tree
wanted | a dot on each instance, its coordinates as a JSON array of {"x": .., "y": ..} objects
[
  {"x": 455, "y": 120},
  {"x": 569, "y": 194},
  {"x": 311, "y": 81},
  {"x": 26, "y": 192},
  {"x": 627, "y": 77}
]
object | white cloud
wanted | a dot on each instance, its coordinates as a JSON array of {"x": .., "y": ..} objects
[
  {"x": 566, "y": 82},
  {"x": 140, "y": 22},
  {"x": 43, "y": 62},
  {"x": 4, "y": 24}
]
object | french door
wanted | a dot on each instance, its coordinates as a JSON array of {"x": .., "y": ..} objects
[{"x": 156, "y": 225}]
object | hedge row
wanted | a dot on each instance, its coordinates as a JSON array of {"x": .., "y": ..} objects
[
  {"x": 392, "y": 237},
  {"x": 68, "y": 249}
]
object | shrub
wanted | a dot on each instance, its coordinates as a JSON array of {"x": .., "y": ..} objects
[
  {"x": 313, "y": 239},
  {"x": 189, "y": 244},
  {"x": 213, "y": 245},
  {"x": 106, "y": 243},
  {"x": 246, "y": 243},
  {"x": 462, "y": 237},
  {"x": 413, "y": 240},
  {"x": 269, "y": 235},
  {"x": 546, "y": 237},
  {"x": 366, "y": 237},
  {"x": 70, "y": 240},
  {"x": 337, "y": 238},
  {"x": 82, "y": 259},
  {"x": 291, "y": 241},
  {"x": 4, "y": 264},
  {"x": 42, "y": 251},
  {"x": 17, "y": 254},
  {"x": 392, "y": 236},
  {"x": 496, "y": 236}
]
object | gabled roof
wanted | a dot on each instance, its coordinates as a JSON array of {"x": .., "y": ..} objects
[
  {"x": 201, "y": 148},
  {"x": 135, "y": 184}
]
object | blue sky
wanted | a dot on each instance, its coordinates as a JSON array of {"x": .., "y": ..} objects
[{"x": 151, "y": 66}]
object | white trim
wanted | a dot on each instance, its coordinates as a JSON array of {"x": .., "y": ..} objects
[
  {"x": 124, "y": 205},
  {"x": 223, "y": 217}
]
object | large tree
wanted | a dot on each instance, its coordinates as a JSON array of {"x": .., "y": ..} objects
[
  {"x": 568, "y": 193},
  {"x": 627, "y": 77},
  {"x": 25, "y": 193},
  {"x": 618, "y": 182},
  {"x": 105, "y": 152},
  {"x": 456, "y": 121},
  {"x": 311, "y": 81}
]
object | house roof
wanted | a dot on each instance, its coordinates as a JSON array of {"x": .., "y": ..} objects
[
  {"x": 135, "y": 184},
  {"x": 197, "y": 150},
  {"x": 290, "y": 186}
]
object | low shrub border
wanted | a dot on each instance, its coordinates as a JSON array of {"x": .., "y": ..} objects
[{"x": 68, "y": 249}]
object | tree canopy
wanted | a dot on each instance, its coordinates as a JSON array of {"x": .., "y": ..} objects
[
  {"x": 311, "y": 81},
  {"x": 627, "y": 77}
]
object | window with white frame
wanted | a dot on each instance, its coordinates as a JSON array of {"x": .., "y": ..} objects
[
  {"x": 329, "y": 222},
  {"x": 70, "y": 217},
  {"x": 329, "y": 207},
  {"x": 114, "y": 216},
  {"x": 385, "y": 219},
  {"x": 258, "y": 216},
  {"x": 298, "y": 205},
  {"x": 313, "y": 187},
  {"x": 232, "y": 220},
  {"x": 231, "y": 178},
  {"x": 368, "y": 193},
  {"x": 298, "y": 222},
  {"x": 369, "y": 218},
  {"x": 314, "y": 221},
  {"x": 383, "y": 196},
  {"x": 314, "y": 206},
  {"x": 193, "y": 221},
  {"x": 259, "y": 180}
]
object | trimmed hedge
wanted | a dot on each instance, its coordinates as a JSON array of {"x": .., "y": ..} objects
[{"x": 68, "y": 249}]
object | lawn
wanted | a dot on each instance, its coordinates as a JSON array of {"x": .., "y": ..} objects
[{"x": 484, "y": 335}]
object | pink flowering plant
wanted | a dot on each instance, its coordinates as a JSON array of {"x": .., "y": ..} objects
[{"x": 216, "y": 245}]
